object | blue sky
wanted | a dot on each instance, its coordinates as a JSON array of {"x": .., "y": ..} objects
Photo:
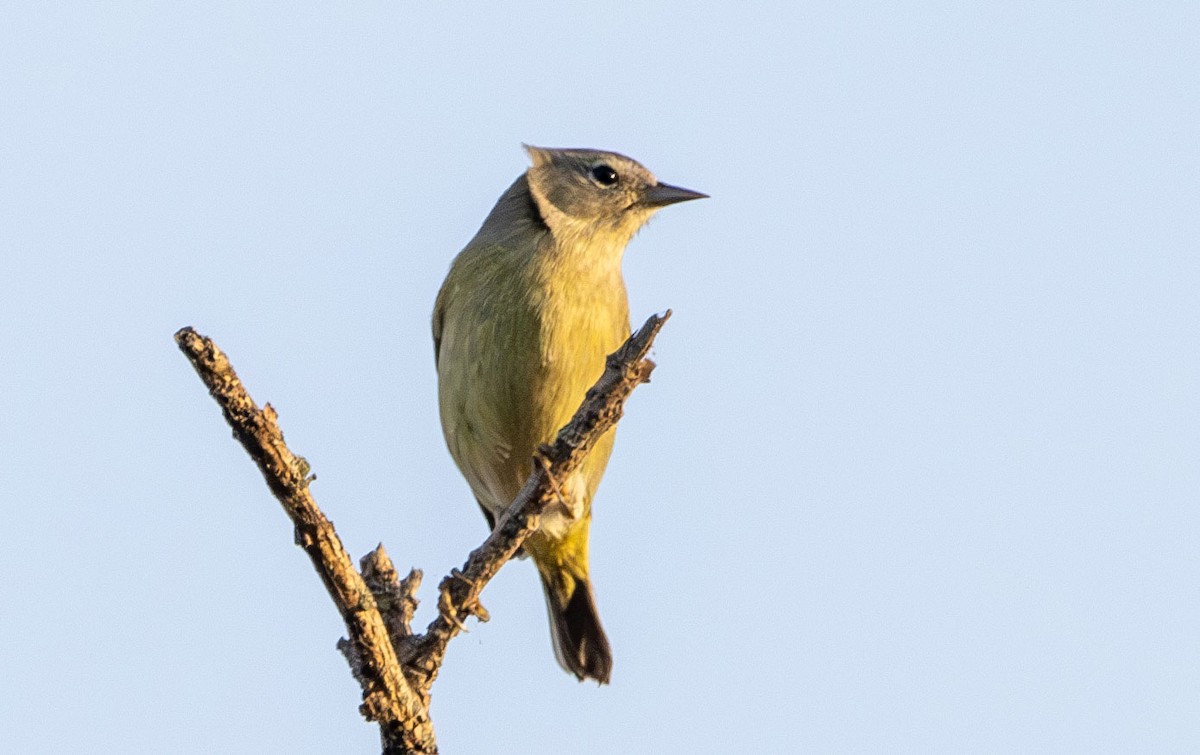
[{"x": 917, "y": 471}]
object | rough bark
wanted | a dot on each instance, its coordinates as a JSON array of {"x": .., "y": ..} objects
[{"x": 395, "y": 667}]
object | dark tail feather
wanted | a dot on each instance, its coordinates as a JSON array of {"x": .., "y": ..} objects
[{"x": 579, "y": 642}]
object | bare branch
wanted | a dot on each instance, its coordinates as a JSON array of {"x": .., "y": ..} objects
[
  {"x": 388, "y": 698},
  {"x": 397, "y": 601},
  {"x": 397, "y": 598},
  {"x": 624, "y": 370},
  {"x": 395, "y": 667}
]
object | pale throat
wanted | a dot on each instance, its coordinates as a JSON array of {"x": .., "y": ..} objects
[
  {"x": 590, "y": 250},
  {"x": 582, "y": 289}
]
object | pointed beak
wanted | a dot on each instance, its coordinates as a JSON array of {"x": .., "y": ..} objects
[{"x": 661, "y": 195}]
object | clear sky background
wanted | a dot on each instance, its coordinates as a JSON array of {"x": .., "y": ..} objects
[{"x": 918, "y": 470}]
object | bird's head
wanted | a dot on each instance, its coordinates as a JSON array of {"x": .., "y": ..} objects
[{"x": 587, "y": 193}]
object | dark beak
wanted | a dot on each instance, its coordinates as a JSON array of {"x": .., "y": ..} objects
[{"x": 661, "y": 195}]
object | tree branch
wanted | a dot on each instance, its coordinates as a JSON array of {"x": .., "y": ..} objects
[
  {"x": 388, "y": 697},
  {"x": 624, "y": 370},
  {"x": 395, "y": 667}
]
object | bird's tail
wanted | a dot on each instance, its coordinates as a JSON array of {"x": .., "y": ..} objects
[{"x": 579, "y": 642}]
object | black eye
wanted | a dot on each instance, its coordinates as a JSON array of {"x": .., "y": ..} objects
[{"x": 604, "y": 175}]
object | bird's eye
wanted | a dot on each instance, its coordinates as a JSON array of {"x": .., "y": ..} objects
[{"x": 604, "y": 175}]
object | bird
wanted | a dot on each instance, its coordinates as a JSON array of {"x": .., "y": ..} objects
[{"x": 522, "y": 325}]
